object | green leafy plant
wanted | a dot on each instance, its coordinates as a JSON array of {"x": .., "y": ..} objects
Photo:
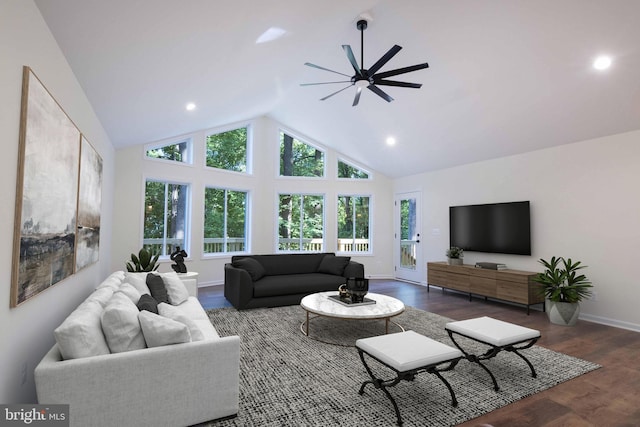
[
  {"x": 455, "y": 252},
  {"x": 561, "y": 281},
  {"x": 144, "y": 262}
]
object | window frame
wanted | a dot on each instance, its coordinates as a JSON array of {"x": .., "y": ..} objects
[
  {"x": 188, "y": 214},
  {"x": 171, "y": 141},
  {"x": 304, "y": 140},
  {"x": 353, "y": 165},
  {"x": 247, "y": 216},
  {"x": 277, "y": 222},
  {"x": 371, "y": 210},
  {"x": 228, "y": 128}
]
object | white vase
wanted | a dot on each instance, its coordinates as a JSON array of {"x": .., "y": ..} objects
[{"x": 563, "y": 313}]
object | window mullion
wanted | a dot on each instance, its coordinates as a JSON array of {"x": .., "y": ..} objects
[{"x": 164, "y": 218}]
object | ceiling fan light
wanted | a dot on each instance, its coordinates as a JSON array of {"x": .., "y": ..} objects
[{"x": 361, "y": 84}]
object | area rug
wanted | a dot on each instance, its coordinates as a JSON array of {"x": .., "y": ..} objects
[{"x": 289, "y": 379}]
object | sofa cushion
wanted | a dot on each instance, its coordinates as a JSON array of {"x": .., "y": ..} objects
[
  {"x": 253, "y": 267},
  {"x": 176, "y": 290},
  {"x": 171, "y": 312},
  {"x": 80, "y": 335},
  {"x": 159, "y": 331},
  {"x": 132, "y": 293},
  {"x": 138, "y": 280},
  {"x": 332, "y": 264},
  {"x": 157, "y": 288},
  {"x": 121, "y": 326},
  {"x": 279, "y": 264},
  {"x": 147, "y": 302},
  {"x": 102, "y": 295},
  {"x": 291, "y": 284}
]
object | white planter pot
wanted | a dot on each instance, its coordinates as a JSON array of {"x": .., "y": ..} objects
[
  {"x": 563, "y": 313},
  {"x": 455, "y": 261}
]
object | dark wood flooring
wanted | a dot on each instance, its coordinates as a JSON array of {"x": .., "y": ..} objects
[{"x": 607, "y": 397}]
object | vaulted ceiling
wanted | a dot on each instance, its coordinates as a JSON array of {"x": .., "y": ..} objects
[{"x": 505, "y": 76}]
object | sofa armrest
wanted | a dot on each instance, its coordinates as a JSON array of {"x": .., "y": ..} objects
[
  {"x": 238, "y": 286},
  {"x": 181, "y": 384},
  {"x": 354, "y": 269}
]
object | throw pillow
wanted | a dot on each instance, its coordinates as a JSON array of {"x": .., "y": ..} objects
[
  {"x": 176, "y": 290},
  {"x": 253, "y": 267},
  {"x": 157, "y": 288},
  {"x": 159, "y": 331},
  {"x": 80, "y": 335},
  {"x": 138, "y": 281},
  {"x": 121, "y": 326},
  {"x": 131, "y": 292},
  {"x": 332, "y": 264},
  {"x": 171, "y": 312},
  {"x": 147, "y": 302}
]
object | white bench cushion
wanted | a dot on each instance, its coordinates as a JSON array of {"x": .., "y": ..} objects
[
  {"x": 492, "y": 331},
  {"x": 408, "y": 350}
]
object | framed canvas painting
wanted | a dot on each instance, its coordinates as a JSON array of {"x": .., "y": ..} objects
[
  {"x": 89, "y": 204},
  {"x": 46, "y": 195}
]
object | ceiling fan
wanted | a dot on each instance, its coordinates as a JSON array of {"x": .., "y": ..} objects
[{"x": 369, "y": 78}]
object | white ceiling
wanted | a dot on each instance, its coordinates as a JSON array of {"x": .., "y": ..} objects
[{"x": 505, "y": 76}]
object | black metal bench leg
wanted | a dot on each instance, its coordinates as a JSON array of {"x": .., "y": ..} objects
[
  {"x": 533, "y": 371},
  {"x": 378, "y": 383},
  {"x": 475, "y": 359},
  {"x": 454, "y": 401}
]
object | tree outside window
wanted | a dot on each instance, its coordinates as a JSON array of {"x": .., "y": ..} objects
[
  {"x": 301, "y": 222},
  {"x": 353, "y": 224},
  {"x": 345, "y": 170},
  {"x": 299, "y": 159},
  {"x": 228, "y": 150},
  {"x": 225, "y": 221},
  {"x": 165, "y": 217},
  {"x": 178, "y": 152}
]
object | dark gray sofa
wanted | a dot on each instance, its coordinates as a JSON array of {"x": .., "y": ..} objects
[{"x": 252, "y": 281}]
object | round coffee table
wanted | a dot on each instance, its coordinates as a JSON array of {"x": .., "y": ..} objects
[{"x": 320, "y": 304}]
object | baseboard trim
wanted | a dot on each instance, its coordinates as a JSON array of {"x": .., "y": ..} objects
[{"x": 610, "y": 322}]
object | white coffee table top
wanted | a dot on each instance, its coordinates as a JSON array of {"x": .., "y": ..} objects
[{"x": 384, "y": 307}]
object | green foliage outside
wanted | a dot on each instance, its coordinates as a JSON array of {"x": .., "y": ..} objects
[
  {"x": 353, "y": 217},
  {"x": 347, "y": 171},
  {"x": 228, "y": 150},
  {"x": 160, "y": 223},
  {"x": 301, "y": 217},
  {"x": 299, "y": 159},
  {"x": 407, "y": 219},
  {"x": 175, "y": 152},
  {"x": 225, "y": 217}
]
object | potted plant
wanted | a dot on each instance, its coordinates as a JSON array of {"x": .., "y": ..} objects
[
  {"x": 455, "y": 255},
  {"x": 144, "y": 262},
  {"x": 563, "y": 289}
]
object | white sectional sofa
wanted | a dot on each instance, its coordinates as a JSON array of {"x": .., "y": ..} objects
[{"x": 179, "y": 384}]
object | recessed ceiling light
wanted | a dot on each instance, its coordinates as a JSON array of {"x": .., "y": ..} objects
[
  {"x": 602, "y": 63},
  {"x": 190, "y": 106},
  {"x": 391, "y": 141}
]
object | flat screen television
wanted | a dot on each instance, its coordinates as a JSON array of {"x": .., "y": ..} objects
[{"x": 503, "y": 228}]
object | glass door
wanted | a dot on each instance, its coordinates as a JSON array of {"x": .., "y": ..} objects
[{"x": 408, "y": 252}]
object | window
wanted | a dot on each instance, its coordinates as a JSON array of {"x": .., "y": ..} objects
[
  {"x": 345, "y": 170},
  {"x": 225, "y": 221},
  {"x": 353, "y": 224},
  {"x": 299, "y": 159},
  {"x": 165, "y": 217},
  {"x": 177, "y": 152},
  {"x": 301, "y": 222},
  {"x": 228, "y": 150}
]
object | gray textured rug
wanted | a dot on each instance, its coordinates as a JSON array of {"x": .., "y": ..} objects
[{"x": 288, "y": 379}]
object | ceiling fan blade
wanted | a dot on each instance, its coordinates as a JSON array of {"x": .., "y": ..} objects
[
  {"x": 399, "y": 84},
  {"x": 380, "y": 93},
  {"x": 336, "y": 92},
  {"x": 397, "y": 71},
  {"x": 357, "y": 98},
  {"x": 385, "y": 58},
  {"x": 352, "y": 59},
  {"x": 326, "y": 69},
  {"x": 324, "y": 83}
]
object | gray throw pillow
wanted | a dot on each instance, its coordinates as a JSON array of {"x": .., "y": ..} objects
[
  {"x": 332, "y": 264},
  {"x": 157, "y": 288},
  {"x": 253, "y": 267}
]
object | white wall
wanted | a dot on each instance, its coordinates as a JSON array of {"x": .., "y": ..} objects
[
  {"x": 26, "y": 333},
  {"x": 263, "y": 185},
  {"x": 585, "y": 204}
]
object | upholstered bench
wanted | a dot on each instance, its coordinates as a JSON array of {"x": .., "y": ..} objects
[
  {"x": 498, "y": 335},
  {"x": 408, "y": 354}
]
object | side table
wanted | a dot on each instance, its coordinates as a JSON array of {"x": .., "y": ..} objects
[{"x": 190, "y": 280}]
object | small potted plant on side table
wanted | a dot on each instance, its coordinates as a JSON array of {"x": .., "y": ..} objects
[
  {"x": 563, "y": 289},
  {"x": 455, "y": 255}
]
